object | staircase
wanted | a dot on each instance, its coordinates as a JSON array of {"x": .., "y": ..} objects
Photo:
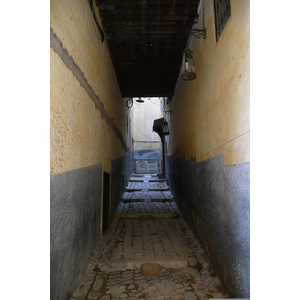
[{"x": 147, "y": 188}]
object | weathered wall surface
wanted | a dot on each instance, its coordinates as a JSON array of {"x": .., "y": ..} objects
[
  {"x": 143, "y": 116},
  {"x": 88, "y": 136},
  {"x": 212, "y": 113},
  {"x": 215, "y": 200},
  {"x": 116, "y": 185},
  {"x": 80, "y": 134},
  {"x": 209, "y": 146},
  {"x": 75, "y": 226}
]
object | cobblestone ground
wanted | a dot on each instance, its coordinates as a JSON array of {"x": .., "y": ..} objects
[{"x": 148, "y": 232}]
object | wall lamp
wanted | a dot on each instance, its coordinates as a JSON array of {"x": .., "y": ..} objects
[
  {"x": 198, "y": 33},
  {"x": 188, "y": 68},
  {"x": 129, "y": 101},
  {"x": 140, "y": 100}
]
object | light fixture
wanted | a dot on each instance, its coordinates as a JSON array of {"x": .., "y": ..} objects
[
  {"x": 166, "y": 128},
  {"x": 129, "y": 102},
  {"x": 140, "y": 100},
  {"x": 188, "y": 69}
]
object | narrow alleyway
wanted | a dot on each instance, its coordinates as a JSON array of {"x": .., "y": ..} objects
[{"x": 148, "y": 252}]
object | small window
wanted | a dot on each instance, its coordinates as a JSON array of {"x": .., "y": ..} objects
[{"x": 222, "y": 14}]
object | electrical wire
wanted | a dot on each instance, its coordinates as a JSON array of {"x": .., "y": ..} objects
[
  {"x": 99, "y": 38},
  {"x": 91, "y": 2}
]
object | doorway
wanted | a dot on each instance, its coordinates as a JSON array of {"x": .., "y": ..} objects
[{"x": 106, "y": 189}]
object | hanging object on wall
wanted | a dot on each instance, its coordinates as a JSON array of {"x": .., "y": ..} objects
[
  {"x": 196, "y": 32},
  {"x": 96, "y": 21},
  {"x": 166, "y": 128},
  {"x": 188, "y": 69},
  {"x": 129, "y": 102},
  {"x": 140, "y": 100}
]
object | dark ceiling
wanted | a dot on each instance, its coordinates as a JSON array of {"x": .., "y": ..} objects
[{"x": 146, "y": 40}]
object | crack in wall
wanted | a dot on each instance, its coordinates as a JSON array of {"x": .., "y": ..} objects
[{"x": 68, "y": 60}]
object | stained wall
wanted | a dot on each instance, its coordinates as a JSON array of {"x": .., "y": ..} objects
[
  {"x": 88, "y": 137},
  {"x": 209, "y": 146},
  {"x": 215, "y": 107}
]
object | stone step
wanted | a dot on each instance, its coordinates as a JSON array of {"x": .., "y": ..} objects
[
  {"x": 133, "y": 189},
  {"x": 150, "y": 189},
  {"x": 135, "y": 180},
  {"x": 162, "y": 199},
  {"x": 127, "y": 264},
  {"x": 159, "y": 189},
  {"x": 132, "y": 200},
  {"x": 153, "y": 195},
  {"x": 151, "y": 186},
  {"x": 157, "y": 180},
  {"x": 144, "y": 216}
]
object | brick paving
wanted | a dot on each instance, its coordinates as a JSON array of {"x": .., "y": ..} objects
[{"x": 148, "y": 232}]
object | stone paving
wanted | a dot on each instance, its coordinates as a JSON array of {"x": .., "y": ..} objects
[
  {"x": 138, "y": 208},
  {"x": 151, "y": 186},
  {"x": 148, "y": 232},
  {"x": 154, "y": 196}
]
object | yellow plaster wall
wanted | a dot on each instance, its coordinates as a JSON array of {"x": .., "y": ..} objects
[
  {"x": 212, "y": 113},
  {"x": 143, "y": 116},
  {"x": 79, "y": 136}
]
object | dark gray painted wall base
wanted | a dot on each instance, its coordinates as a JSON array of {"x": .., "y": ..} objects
[
  {"x": 127, "y": 167},
  {"x": 215, "y": 200},
  {"x": 121, "y": 170},
  {"x": 116, "y": 185},
  {"x": 75, "y": 203}
]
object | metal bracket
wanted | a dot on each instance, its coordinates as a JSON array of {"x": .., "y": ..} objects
[{"x": 198, "y": 33}]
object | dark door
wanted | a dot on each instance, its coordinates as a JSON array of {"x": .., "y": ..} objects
[{"x": 106, "y": 182}]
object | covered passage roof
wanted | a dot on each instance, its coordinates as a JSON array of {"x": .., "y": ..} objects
[{"x": 146, "y": 39}]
